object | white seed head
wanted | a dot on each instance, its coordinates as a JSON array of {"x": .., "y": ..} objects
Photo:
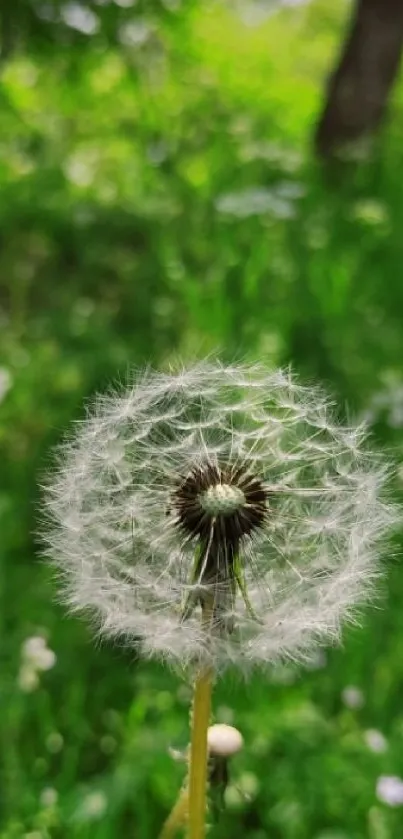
[
  {"x": 227, "y": 486},
  {"x": 36, "y": 654},
  {"x": 389, "y": 790},
  {"x": 224, "y": 740}
]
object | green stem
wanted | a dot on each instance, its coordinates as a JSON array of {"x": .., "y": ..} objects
[
  {"x": 177, "y": 817},
  {"x": 198, "y": 754}
]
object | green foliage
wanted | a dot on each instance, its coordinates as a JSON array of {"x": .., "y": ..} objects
[{"x": 158, "y": 197}]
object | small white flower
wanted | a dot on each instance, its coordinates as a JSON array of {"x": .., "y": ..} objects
[
  {"x": 5, "y": 382},
  {"x": 227, "y": 488},
  {"x": 353, "y": 697},
  {"x": 79, "y": 17},
  {"x": 387, "y": 403},
  {"x": 94, "y": 805},
  {"x": 135, "y": 33},
  {"x": 48, "y": 797},
  {"x": 33, "y": 645},
  {"x": 389, "y": 789},
  {"x": 36, "y": 653},
  {"x": 375, "y": 741},
  {"x": 259, "y": 200},
  {"x": 35, "y": 657}
]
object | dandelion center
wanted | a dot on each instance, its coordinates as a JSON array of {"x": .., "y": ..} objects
[
  {"x": 220, "y": 503},
  {"x": 222, "y": 499}
]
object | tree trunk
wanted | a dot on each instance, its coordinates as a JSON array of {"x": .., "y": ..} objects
[{"x": 359, "y": 88}]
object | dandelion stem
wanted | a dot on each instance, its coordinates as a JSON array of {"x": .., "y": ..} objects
[
  {"x": 190, "y": 805},
  {"x": 178, "y": 815},
  {"x": 198, "y": 755}
]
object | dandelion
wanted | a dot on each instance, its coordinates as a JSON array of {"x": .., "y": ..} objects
[
  {"x": 36, "y": 657},
  {"x": 48, "y": 797},
  {"x": 259, "y": 200},
  {"x": 36, "y": 653},
  {"x": 224, "y": 485},
  {"x": 94, "y": 805},
  {"x": 353, "y": 697},
  {"x": 375, "y": 740},
  {"x": 80, "y": 18},
  {"x": 219, "y": 515},
  {"x": 91, "y": 807},
  {"x": 389, "y": 790},
  {"x": 6, "y": 382}
]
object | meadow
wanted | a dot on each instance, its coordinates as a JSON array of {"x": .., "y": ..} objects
[{"x": 160, "y": 198}]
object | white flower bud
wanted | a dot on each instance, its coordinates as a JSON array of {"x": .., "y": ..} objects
[
  {"x": 224, "y": 740},
  {"x": 36, "y": 654}
]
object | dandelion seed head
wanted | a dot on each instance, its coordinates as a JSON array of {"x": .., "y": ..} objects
[
  {"x": 224, "y": 485},
  {"x": 389, "y": 790},
  {"x": 353, "y": 697},
  {"x": 375, "y": 740},
  {"x": 35, "y": 657}
]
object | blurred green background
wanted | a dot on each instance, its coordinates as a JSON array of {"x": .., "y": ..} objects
[{"x": 159, "y": 197}]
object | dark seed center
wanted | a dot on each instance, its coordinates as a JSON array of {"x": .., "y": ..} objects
[{"x": 220, "y": 503}]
